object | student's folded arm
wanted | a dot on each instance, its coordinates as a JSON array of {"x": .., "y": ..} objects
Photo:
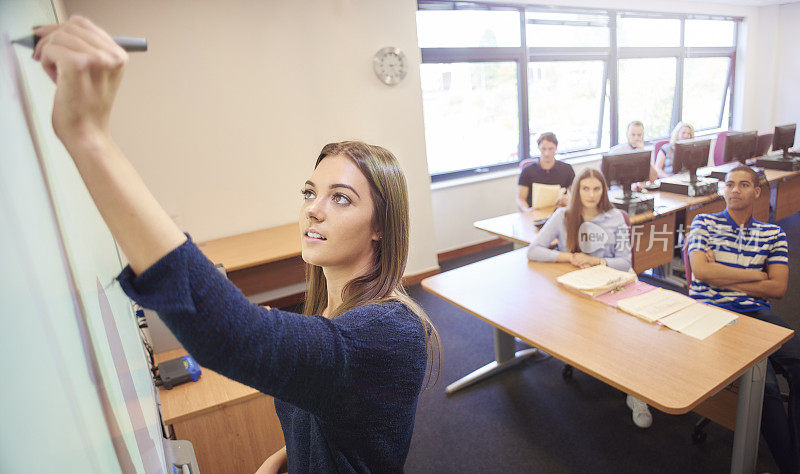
[
  {"x": 774, "y": 286},
  {"x": 716, "y": 274},
  {"x": 661, "y": 159}
]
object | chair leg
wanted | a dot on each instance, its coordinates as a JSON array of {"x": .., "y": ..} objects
[
  {"x": 566, "y": 372},
  {"x": 699, "y": 434}
]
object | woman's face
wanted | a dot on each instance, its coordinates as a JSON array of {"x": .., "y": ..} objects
[
  {"x": 685, "y": 133},
  {"x": 336, "y": 218},
  {"x": 591, "y": 190}
]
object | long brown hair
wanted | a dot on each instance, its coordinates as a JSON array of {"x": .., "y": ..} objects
[
  {"x": 384, "y": 280},
  {"x": 573, "y": 216}
]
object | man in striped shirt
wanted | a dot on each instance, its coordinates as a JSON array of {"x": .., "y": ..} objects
[{"x": 737, "y": 263}]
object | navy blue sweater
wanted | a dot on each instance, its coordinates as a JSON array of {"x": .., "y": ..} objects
[{"x": 346, "y": 388}]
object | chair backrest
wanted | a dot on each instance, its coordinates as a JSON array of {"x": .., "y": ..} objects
[
  {"x": 657, "y": 147},
  {"x": 763, "y": 143},
  {"x": 687, "y": 265},
  {"x": 630, "y": 233},
  {"x": 719, "y": 147},
  {"x": 526, "y": 162}
]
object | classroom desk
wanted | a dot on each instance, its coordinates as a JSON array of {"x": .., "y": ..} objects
[
  {"x": 232, "y": 427},
  {"x": 668, "y": 370},
  {"x": 265, "y": 264},
  {"x": 787, "y": 191}
]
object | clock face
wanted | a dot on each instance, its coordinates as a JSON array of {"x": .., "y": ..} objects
[{"x": 390, "y": 65}]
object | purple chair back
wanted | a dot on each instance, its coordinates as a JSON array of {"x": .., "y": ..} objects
[
  {"x": 526, "y": 162},
  {"x": 657, "y": 147},
  {"x": 719, "y": 147},
  {"x": 763, "y": 143},
  {"x": 687, "y": 265}
]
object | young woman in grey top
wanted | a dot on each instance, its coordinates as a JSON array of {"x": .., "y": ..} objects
[
  {"x": 663, "y": 164},
  {"x": 590, "y": 231}
]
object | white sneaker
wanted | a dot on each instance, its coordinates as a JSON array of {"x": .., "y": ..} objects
[{"x": 641, "y": 414}]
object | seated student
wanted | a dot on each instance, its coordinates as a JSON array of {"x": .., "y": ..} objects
[
  {"x": 737, "y": 263},
  {"x": 547, "y": 170},
  {"x": 589, "y": 211},
  {"x": 663, "y": 165},
  {"x": 346, "y": 374},
  {"x": 635, "y": 136}
]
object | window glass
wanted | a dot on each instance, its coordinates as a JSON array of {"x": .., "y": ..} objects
[
  {"x": 471, "y": 114},
  {"x": 565, "y": 98},
  {"x": 704, "y": 87},
  {"x": 709, "y": 33},
  {"x": 546, "y": 29},
  {"x": 641, "y": 32},
  {"x": 646, "y": 90},
  {"x": 467, "y": 28}
]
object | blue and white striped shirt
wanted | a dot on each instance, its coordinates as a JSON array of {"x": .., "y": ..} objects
[{"x": 754, "y": 246}]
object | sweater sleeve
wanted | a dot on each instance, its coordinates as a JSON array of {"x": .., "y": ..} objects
[
  {"x": 290, "y": 356},
  {"x": 539, "y": 250}
]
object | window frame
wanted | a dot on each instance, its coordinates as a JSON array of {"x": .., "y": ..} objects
[{"x": 523, "y": 55}]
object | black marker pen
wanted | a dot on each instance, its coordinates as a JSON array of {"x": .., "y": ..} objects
[{"x": 128, "y": 44}]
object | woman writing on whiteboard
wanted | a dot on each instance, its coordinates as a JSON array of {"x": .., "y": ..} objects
[
  {"x": 590, "y": 231},
  {"x": 346, "y": 375}
]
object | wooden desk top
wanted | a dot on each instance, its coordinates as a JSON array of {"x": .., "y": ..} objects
[
  {"x": 254, "y": 248},
  {"x": 212, "y": 392},
  {"x": 668, "y": 370}
]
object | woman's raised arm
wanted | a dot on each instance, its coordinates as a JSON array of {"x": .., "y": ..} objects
[{"x": 87, "y": 67}]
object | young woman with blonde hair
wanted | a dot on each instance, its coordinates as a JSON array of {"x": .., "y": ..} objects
[
  {"x": 663, "y": 164},
  {"x": 347, "y": 374},
  {"x": 589, "y": 231}
]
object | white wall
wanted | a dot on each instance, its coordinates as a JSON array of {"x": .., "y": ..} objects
[
  {"x": 766, "y": 93},
  {"x": 226, "y": 113}
]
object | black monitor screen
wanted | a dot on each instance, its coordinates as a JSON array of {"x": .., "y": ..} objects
[
  {"x": 626, "y": 168},
  {"x": 784, "y": 137},
  {"x": 690, "y": 155},
  {"x": 740, "y": 146}
]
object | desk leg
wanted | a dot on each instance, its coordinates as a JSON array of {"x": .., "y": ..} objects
[
  {"x": 748, "y": 419},
  {"x": 505, "y": 357}
]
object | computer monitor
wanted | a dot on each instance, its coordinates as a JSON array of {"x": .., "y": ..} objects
[
  {"x": 740, "y": 146},
  {"x": 783, "y": 139},
  {"x": 690, "y": 155},
  {"x": 626, "y": 168}
]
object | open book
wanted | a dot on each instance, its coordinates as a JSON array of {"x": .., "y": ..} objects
[
  {"x": 546, "y": 195},
  {"x": 677, "y": 312},
  {"x": 596, "y": 280}
]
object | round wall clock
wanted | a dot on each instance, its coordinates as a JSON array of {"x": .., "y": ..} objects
[{"x": 390, "y": 65}]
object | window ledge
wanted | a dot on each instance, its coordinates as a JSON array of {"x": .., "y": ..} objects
[{"x": 450, "y": 183}]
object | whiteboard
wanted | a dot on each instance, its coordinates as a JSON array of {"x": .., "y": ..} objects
[{"x": 76, "y": 395}]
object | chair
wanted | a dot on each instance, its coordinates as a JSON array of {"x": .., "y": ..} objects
[
  {"x": 763, "y": 143},
  {"x": 656, "y": 148},
  {"x": 566, "y": 372},
  {"x": 526, "y": 162},
  {"x": 719, "y": 147}
]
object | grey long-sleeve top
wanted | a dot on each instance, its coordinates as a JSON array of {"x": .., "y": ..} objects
[{"x": 610, "y": 239}]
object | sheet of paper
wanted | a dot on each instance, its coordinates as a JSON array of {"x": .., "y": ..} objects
[
  {"x": 628, "y": 291},
  {"x": 683, "y": 318},
  {"x": 656, "y": 304},
  {"x": 546, "y": 195},
  {"x": 712, "y": 321},
  {"x": 596, "y": 277}
]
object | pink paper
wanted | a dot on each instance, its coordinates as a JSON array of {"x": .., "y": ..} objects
[{"x": 631, "y": 289}]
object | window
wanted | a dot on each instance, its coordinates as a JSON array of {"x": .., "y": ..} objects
[
  {"x": 495, "y": 76},
  {"x": 646, "y": 92},
  {"x": 470, "y": 114},
  {"x": 567, "y": 98}
]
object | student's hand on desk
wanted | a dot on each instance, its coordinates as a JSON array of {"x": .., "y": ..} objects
[
  {"x": 86, "y": 65},
  {"x": 581, "y": 260}
]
